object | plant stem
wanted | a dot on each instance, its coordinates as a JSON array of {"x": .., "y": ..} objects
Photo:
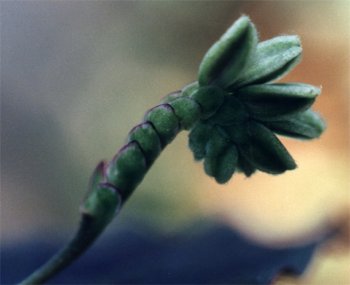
[
  {"x": 97, "y": 211},
  {"x": 84, "y": 237}
]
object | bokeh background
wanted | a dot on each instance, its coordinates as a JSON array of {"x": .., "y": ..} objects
[{"x": 76, "y": 76}]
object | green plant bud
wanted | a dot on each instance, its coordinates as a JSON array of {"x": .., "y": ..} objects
[
  {"x": 228, "y": 56},
  {"x": 187, "y": 110},
  {"x": 226, "y": 164},
  {"x": 270, "y": 101},
  {"x": 164, "y": 121},
  {"x": 272, "y": 60},
  {"x": 148, "y": 140},
  {"x": 102, "y": 204},
  {"x": 265, "y": 152},
  {"x": 209, "y": 98},
  {"x": 189, "y": 89},
  {"x": 305, "y": 125},
  {"x": 232, "y": 111},
  {"x": 97, "y": 176},
  {"x": 198, "y": 139},
  {"x": 127, "y": 168},
  {"x": 215, "y": 147}
]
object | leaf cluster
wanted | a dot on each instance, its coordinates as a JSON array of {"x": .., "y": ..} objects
[{"x": 243, "y": 108}]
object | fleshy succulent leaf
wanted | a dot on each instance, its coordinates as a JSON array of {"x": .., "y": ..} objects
[
  {"x": 244, "y": 165},
  {"x": 270, "y": 101},
  {"x": 210, "y": 98},
  {"x": 198, "y": 139},
  {"x": 227, "y": 163},
  {"x": 232, "y": 111},
  {"x": 238, "y": 103},
  {"x": 305, "y": 125},
  {"x": 216, "y": 143},
  {"x": 265, "y": 152},
  {"x": 273, "y": 59},
  {"x": 214, "y": 149},
  {"x": 228, "y": 56}
]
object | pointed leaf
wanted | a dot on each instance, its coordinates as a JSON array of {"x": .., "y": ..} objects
[
  {"x": 214, "y": 148},
  {"x": 198, "y": 139},
  {"x": 243, "y": 165},
  {"x": 209, "y": 98},
  {"x": 305, "y": 125},
  {"x": 270, "y": 101},
  {"x": 227, "y": 163},
  {"x": 265, "y": 151},
  {"x": 272, "y": 60},
  {"x": 226, "y": 58},
  {"x": 232, "y": 111}
]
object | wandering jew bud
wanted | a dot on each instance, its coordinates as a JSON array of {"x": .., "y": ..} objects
[{"x": 242, "y": 109}]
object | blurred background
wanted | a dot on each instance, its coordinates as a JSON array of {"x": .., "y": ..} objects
[{"x": 76, "y": 76}]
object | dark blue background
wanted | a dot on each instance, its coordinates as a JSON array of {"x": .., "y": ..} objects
[{"x": 215, "y": 255}]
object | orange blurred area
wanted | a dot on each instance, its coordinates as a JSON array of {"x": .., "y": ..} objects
[{"x": 77, "y": 76}]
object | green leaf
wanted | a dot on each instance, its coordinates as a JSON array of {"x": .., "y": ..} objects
[
  {"x": 273, "y": 59},
  {"x": 198, "y": 139},
  {"x": 244, "y": 165},
  {"x": 209, "y": 98},
  {"x": 236, "y": 132},
  {"x": 215, "y": 147},
  {"x": 228, "y": 56},
  {"x": 232, "y": 111},
  {"x": 265, "y": 152},
  {"x": 270, "y": 101},
  {"x": 227, "y": 163},
  {"x": 305, "y": 125}
]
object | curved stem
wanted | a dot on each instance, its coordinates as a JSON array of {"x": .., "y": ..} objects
[
  {"x": 112, "y": 183},
  {"x": 98, "y": 210},
  {"x": 84, "y": 237}
]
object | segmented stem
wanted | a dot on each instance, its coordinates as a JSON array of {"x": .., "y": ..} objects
[{"x": 119, "y": 177}]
